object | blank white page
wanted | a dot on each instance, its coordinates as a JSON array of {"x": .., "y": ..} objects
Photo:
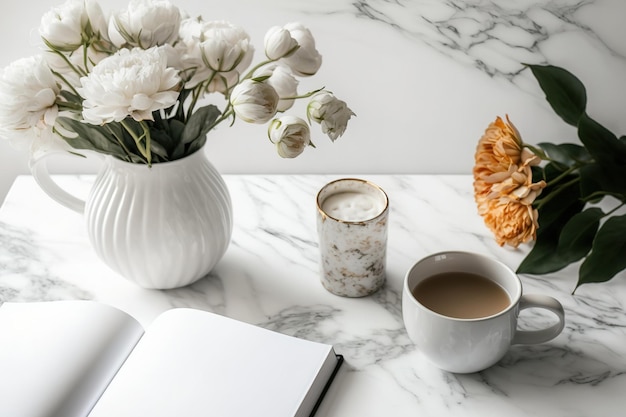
[
  {"x": 193, "y": 363},
  {"x": 57, "y": 357}
]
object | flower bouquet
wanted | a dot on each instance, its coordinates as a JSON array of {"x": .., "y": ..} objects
[
  {"x": 136, "y": 85},
  {"x": 551, "y": 193}
]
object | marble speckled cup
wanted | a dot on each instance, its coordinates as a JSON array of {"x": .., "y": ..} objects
[{"x": 352, "y": 228}]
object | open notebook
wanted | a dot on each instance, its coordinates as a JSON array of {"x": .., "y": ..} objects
[{"x": 82, "y": 358}]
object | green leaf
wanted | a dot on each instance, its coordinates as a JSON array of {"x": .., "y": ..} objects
[
  {"x": 200, "y": 122},
  {"x": 90, "y": 137},
  {"x": 565, "y": 93},
  {"x": 543, "y": 257},
  {"x": 176, "y": 128},
  {"x": 566, "y": 153},
  {"x": 607, "y": 254},
  {"x": 554, "y": 214},
  {"x": 589, "y": 182},
  {"x": 578, "y": 233},
  {"x": 600, "y": 142},
  {"x": 598, "y": 180},
  {"x": 560, "y": 204}
]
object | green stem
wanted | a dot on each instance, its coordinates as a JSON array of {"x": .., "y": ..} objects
[
  {"x": 121, "y": 142},
  {"x": 66, "y": 105},
  {"x": 77, "y": 70},
  {"x": 86, "y": 57},
  {"x": 148, "y": 136},
  {"x": 228, "y": 112},
  {"x": 256, "y": 67},
  {"x": 145, "y": 152},
  {"x": 197, "y": 92},
  {"x": 306, "y": 95},
  {"x": 619, "y": 206},
  {"x": 67, "y": 83},
  {"x": 541, "y": 202},
  {"x": 564, "y": 174}
]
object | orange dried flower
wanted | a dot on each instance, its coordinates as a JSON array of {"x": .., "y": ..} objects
[
  {"x": 511, "y": 222},
  {"x": 503, "y": 187}
]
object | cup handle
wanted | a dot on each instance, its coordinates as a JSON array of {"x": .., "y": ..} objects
[
  {"x": 39, "y": 169},
  {"x": 528, "y": 337}
]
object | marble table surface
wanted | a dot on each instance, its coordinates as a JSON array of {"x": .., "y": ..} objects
[{"x": 269, "y": 276}]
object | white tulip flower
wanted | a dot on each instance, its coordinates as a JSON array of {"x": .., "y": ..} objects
[
  {"x": 279, "y": 43},
  {"x": 145, "y": 23},
  {"x": 290, "y": 134},
  {"x": 68, "y": 26},
  {"x": 132, "y": 83},
  {"x": 306, "y": 60},
  {"x": 28, "y": 93},
  {"x": 283, "y": 81},
  {"x": 253, "y": 101},
  {"x": 330, "y": 112}
]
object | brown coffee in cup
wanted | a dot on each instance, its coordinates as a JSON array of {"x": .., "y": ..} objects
[{"x": 461, "y": 295}]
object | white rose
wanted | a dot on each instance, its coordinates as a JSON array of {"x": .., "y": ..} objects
[
  {"x": 330, "y": 112},
  {"x": 279, "y": 43},
  {"x": 253, "y": 101},
  {"x": 28, "y": 93},
  {"x": 132, "y": 83},
  {"x": 283, "y": 81},
  {"x": 145, "y": 24},
  {"x": 290, "y": 134},
  {"x": 305, "y": 60},
  {"x": 63, "y": 27}
]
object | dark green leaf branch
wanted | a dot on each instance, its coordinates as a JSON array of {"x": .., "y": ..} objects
[{"x": 570, "y": 230}]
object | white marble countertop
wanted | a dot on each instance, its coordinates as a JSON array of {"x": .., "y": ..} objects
[{"x": 269, "y": 277}]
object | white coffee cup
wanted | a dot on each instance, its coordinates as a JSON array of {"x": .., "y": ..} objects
[{"x": 472, "y": 344}]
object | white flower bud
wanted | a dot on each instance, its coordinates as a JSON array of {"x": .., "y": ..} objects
[
  {"x": 330, "y": 112},
  {"x": 145, "y": 24},
  {"x": 305, "y": 60},
  {"x": 283, "y": 81},
  {"x": 290, "y": 134},
  {"x": 218, "y": 51},
  {"x": 64, "y": 27},
  {"x": 253, "y": 101},
  {"x": 279, "y": 43}
]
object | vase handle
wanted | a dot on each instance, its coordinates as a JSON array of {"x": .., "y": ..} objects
[{"x": 39, "y": 169}]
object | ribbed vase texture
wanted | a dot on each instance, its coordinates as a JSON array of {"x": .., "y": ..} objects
[{"x": 163, "y": 226}]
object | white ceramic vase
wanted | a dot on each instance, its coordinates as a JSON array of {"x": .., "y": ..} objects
[{"x": 163, "y": 226}]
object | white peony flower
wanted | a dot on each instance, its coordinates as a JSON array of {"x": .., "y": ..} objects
[
  {"x": 68, "y": 26},
  {"x": 290, "y": 134},
  {"x": 283, "y": 81},
  {"x": 253, "y": 101},
  {"x": 306, "y": 60},
  {"x": 279, "y": 43},
  {"x": 145, "y": 24},
  {"x": 28, "y": 93},
  {"x": 218, "y": 51},
  {"x": 132, "y": 83},
  {"x": 330, "y": 112}
]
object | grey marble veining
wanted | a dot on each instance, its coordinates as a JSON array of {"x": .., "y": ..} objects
[
  {"x": 495, "y": 36},
  {"x": 270, "y": 277}
]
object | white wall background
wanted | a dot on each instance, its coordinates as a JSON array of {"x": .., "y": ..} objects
[{"x": 425, "y": 77}]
